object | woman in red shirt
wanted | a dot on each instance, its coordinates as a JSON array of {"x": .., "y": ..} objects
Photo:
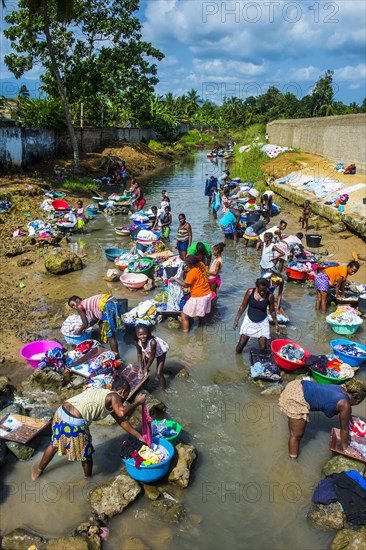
[{"x": 196, "y": 282}]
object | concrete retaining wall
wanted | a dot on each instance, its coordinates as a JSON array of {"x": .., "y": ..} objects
[
  {"x": 339, "y": 138},
  {"x": 22, "y": 147}
]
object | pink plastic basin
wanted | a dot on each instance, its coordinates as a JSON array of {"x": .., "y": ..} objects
[
  {"x": 133, "y": 280},
  {"x": 36, "y": 348}
]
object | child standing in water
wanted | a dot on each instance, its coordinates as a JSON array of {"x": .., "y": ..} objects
[
  {"x": 151, "y": 347},
  {"x": 306, "y": 213},
  {"x": 213, "y": 272}
]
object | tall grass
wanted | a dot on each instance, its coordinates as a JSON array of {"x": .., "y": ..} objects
[
  {"x": 248, "y": 166},
  {"x": 79, "y": 185}
]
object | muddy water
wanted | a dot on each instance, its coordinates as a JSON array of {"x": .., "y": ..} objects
[{"x": 245, "y": 493}]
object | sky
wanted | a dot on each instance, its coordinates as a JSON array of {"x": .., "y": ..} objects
[{"x": 241, "y": 48}]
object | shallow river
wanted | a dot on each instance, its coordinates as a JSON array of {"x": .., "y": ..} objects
[{"x": 244, "y": 491}]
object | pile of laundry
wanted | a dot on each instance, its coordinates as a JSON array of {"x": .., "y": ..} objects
[
  {"x": 142, "y": 454},
  {"x": 5, "y": 205},
  {"x": 347, "y": 488},
  {"x": 103, "y": 365},
  {"x": 265, "y": 370},
  {"x": 125, "y": 259},
  {"x": 138, "y": 265},
  {"x": 57, "y": 359},
  {"x": 144, "y": 313},
  {"x": 40, "y": 229},
  {"x": 71, "y": 324},
  {"x": 320, "y": 187},
  {"x": 302, "y": 267},
  {"x": 351, "y": 349},
  {"x": 162, "y": 430},
  {"x": 146, "y": 236},
  {"x": 344, "y": 315},
  {"x": 292, "y": 353},
  {"x": 272, "y": 151},
  {"x": 338, "y": 200},
  {"x": 331, "y": 366},
  {"x": 140, "y": 217}
]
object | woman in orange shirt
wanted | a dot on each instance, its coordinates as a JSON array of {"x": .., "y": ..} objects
[
  {"x": 333, "y": 276},
  {"x": 196, "y": 282}
]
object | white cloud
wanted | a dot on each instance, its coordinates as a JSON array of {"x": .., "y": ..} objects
[{"x": 351, "y": 73}]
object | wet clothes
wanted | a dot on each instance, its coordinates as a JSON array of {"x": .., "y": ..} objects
[
  {"x": 352, "y": 498},
  {"x": 324, "y": 492},
  {"x": 322, "y": 397},
  {"x": 129, "y": 445}
]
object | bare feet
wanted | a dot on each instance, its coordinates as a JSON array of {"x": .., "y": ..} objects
[{"x": 36, "y": 472}]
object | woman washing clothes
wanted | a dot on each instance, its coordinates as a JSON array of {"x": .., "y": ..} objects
[
  {"x": 302, "y": 396},
  {"x": 213, "y": 272},
  {"x": 256, "y": 323},
  {"x": 202, "y": 251},
  {"x": 333, "y": 276},
  {"x": 164, "y": 223},
  {"x": 149, "y": 348},
  {"x": 103, "y": 309},
  {"x": 268, "y": 259},
  {"x": 184, "y": 236},
  {"x": 196, "y": 283},
  {"x": 230, "y": 222},
  {"x": 138, "y": 197},
  {"x": 70, "y": 426}
]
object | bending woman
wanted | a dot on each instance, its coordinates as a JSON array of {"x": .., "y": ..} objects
[
  {"x": 256, "y": 322},
  {"x": 333, "y": 276},
  {"x": 196, "y": 282},
  {"x": 103, "y": 309},
  {"x": 301, "y": 396}
]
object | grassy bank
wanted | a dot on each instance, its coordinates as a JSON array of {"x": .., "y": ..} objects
[
  {"x": 194, "y": 139},
  {"x": 248, "y": 165},
  {"x": 78, "y": 185}
]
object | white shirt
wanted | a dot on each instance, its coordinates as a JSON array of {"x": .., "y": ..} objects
[
  {"x": 267, "y": 257},
  {"x": 268, "y": 193},
  {"x": 271, "y": 230},
  {"x": 292, "y": 241}
]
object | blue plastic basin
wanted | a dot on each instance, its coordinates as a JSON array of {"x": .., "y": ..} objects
[
  {"x": 154, "y": 472},
  {"x": 349, "y": 359},
  {"x": 112, "y": 253}
]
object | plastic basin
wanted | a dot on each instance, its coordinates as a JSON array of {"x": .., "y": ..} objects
[
  {"x": 153, "y": 472},
  {"x": 286, "y": 364},
  {"x": 97, "y": 199},
  {"x": 149, "y": 266},
  {"x": 123, "y": 232},
  {"x": 112, "y": 253},
  {"x": 344, "y": 329},
  {"x": 324, "y": 379},
  {"x": 313, "y": 241},
  {"x": 325, "y": 265},
  {"x": 133, "y": 280},
  {"x": 36, "y": 348},
  {"x": 296, "y": 275},
  {"x": 349, "y": 359},
  {"x": 75, "y": 339},
  {"x": 176, "y": 426},
  {"x": 60, "y": 205}
]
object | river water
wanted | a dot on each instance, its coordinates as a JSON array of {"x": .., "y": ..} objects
[{"x": 244, "y": 491}]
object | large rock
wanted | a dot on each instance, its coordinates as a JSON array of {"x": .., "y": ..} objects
[
  {"x": 327, "y": 516},
  {"x": 183, "y": 373},
  {"x": 272, "y": 390},
  {"x": 348, "y": 539},
  {"x": 46, "y": 379},
  {"x": 20, "y": 539},
  {"x": 152, "y": 492},
  {"x": 181, "y": 473},
  {"x": 22, "y": 452},
  {"x": 60, "y": 261},
  {"x": 339, "y": 463},
  {"x": 13, "y": 408},
  {"x": 153, "y": 405},
  {"x": 338, "y": 227},
  {"x": 112, "y": 498}
]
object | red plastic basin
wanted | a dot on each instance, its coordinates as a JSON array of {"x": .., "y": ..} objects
[
  {"x": 285, "y": 364},
  {"x": 59, "y": 205},
  {"x": 297, "y": 275}
]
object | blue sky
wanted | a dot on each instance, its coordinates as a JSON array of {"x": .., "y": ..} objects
[{"x": 223, "y": 48}]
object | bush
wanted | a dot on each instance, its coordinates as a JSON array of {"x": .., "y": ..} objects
[
  {"x": 80, "y": 185},
  {"x": 156, "y": 145},
  {"x": 248, "y": 166}
]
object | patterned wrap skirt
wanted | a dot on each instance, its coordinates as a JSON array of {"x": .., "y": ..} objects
[
  {"x": 111, "y": 320},
  {"x": 72, "y": 440},
  {"x": 292, "y": 401},
  {"x": 322, "y": 282}
]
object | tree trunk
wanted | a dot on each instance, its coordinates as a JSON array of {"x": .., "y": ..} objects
[{"x": 60, "y": 87}]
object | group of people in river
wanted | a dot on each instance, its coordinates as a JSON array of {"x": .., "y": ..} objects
[{"x": 201, "y": 278}]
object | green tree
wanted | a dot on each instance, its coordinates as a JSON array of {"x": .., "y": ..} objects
[
  {"x": 323, "y": 95},
  {"x": 98, "y": 53}
]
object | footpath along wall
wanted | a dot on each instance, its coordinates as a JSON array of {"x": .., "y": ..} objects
[
  {"x": 338, "y": 138},
  {"x": 22, "y": 147}
]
